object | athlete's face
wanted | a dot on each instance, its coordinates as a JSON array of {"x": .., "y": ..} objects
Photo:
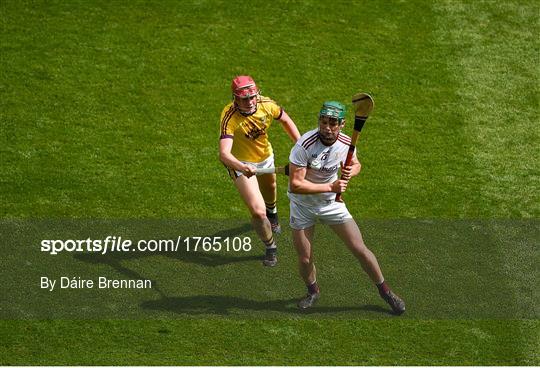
[
  {"x": 247, "y": 105},
  {"x": 329, "y": 129}
]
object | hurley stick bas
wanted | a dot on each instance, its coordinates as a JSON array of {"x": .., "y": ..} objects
[{"x": 274, "y": 170}]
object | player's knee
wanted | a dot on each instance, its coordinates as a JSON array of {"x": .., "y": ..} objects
[
  {"x": 304, "y": 261},
  {"x": 272, "y": 186},
  {"x": 363, "y": 253},
  {"x": 259, "y": 214},
  {"x": 268, "y": 189}
]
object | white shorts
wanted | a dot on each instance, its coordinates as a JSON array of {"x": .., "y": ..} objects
[
  {"x": 269, "y": 162},
  {"x": 303, "y": 216}
]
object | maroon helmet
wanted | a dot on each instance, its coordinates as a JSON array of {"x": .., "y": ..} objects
[{"x": 244, "y": 89}]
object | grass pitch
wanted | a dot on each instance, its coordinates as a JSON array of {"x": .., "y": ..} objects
[{"x": 111, "y": 111}]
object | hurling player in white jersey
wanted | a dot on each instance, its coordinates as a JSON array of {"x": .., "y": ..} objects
[{"x": 313, "y": 183}]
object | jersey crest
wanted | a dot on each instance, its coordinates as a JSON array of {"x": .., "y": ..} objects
[{"x": 254, "y": 131}]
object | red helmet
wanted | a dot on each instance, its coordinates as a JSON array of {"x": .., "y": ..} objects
[
  {"x": 244, "y": 86},
  {"x": 244, "y": 89}
]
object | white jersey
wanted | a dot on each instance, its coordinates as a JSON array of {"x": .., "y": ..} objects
[{"x": 322, "y": 162}]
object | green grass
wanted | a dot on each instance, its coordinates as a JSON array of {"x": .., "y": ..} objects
[
  {"x": 269, "y": 342},
  {"x": 110, "y": 110},
  {"x": 434, "y": 264}
]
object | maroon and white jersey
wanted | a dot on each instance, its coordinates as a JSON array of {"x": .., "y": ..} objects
[{"x": 322, "y": 162}]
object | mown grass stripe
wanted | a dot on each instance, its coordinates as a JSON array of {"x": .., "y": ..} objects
[
  {"x": 494, "y": 44},
  {"x": 493, "y": 79}
]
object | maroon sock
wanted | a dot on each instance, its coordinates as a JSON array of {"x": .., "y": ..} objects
[
  {"x": 383, "y": 288},
  {"x": 313, "y": 288}
]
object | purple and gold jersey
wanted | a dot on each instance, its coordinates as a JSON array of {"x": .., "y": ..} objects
[{"x": 249, "y": 133}]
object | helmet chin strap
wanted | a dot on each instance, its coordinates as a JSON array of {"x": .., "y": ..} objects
[
  {"x": 243, "y": 113},
  {"x": 247, "y": 113}
]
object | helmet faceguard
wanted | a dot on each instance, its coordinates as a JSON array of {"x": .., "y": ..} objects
[{"x": 244, "y": 91}]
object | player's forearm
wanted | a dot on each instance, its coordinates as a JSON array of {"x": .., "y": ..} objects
[
  {"x": 230, "y": 161},
  {"x": 356, "y": 167},
  {"x": 307, "y": 187},
  {"x": 290, "y": 127}
]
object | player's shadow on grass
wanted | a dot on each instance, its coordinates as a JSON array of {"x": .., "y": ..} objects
[
  {"x": 200, "y": 257},
  {"x": 230, "y": 305},
  {"x": 210, "y": 259}
]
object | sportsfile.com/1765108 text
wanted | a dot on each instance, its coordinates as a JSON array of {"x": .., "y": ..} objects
[{"x": 120, "y": 244}]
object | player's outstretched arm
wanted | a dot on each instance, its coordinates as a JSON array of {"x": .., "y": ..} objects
[{"x": 289, "y": 126}]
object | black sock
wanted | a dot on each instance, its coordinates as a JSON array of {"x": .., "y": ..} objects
[
  {"x": 383, "y": 288},
  {"x": 271, "y": 210},
  {"x": 313, "y": 288},
  {"x": 270, "y": 244}
]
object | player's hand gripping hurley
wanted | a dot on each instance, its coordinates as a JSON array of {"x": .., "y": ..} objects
[{"x": 363, "y": 106}]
